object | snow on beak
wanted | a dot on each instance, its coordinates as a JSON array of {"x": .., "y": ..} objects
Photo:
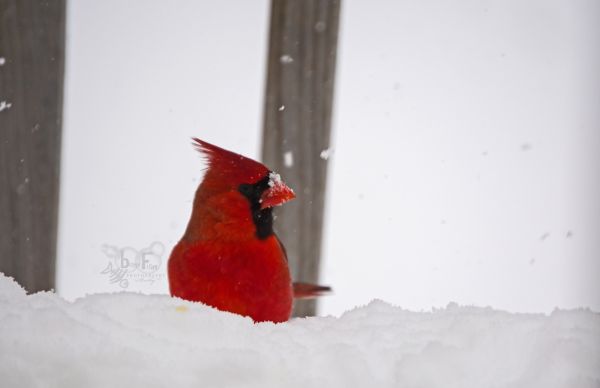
[{"x": 277, "y": 193}]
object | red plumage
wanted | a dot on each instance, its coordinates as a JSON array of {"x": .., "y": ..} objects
[{"x": 229, "y": 257}]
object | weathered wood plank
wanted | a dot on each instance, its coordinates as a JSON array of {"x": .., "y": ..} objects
[
  {"x": 32, "y": 45},
  {"x": 297, "y": 122}
]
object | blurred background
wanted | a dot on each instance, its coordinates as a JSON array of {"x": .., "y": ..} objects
[{"x": 463, "y": 163}]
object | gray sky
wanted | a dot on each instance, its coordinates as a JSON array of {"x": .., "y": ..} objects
[{"x": 466, "y": 142}]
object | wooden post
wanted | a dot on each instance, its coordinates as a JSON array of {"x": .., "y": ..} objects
[
  {"x": 32, "y": 46},
  {"x": 297, "y": 122}
]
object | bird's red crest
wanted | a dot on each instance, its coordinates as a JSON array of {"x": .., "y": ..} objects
[{"x": 229, "y": 165}]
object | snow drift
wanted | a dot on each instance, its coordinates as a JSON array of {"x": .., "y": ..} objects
[{"x": 134, "y": 340}]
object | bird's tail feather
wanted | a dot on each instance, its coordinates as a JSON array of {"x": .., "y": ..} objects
[{"x": 310, "y": 291}]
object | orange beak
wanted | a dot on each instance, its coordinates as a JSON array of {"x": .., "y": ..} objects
[{"x": 277, "y": 194}]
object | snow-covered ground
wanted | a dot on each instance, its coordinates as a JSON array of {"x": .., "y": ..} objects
[{"x": 135, "y": 340}]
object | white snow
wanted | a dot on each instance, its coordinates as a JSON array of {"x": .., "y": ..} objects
[
  {"x": 4, "y": 105},
  {"x": 281, "y": 108},
  {"x": 274, "y": 178},
  {"x": 286, "y": 59},
  {"x": 326, "y": 153},
  {"x": 2, "y": 61},
  {"x": 135, "y": 340},
  {"x": 288, "y": 159}
]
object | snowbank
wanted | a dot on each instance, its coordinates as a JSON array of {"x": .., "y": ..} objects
[{"x": 133, "y": 340}]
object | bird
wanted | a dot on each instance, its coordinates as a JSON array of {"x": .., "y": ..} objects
[{"x": 229, "y": 256}]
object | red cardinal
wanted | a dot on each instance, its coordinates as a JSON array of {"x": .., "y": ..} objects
[{"x": 229, "y": 257}]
